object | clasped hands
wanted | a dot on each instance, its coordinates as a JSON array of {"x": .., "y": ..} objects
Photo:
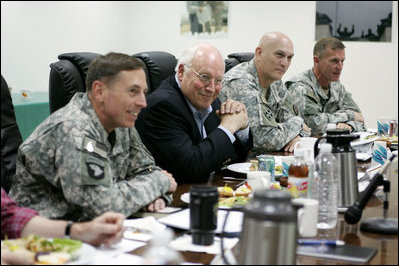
[{"x": 233, "y": 115}]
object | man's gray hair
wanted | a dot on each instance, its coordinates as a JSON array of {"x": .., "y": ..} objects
[
  {"x": 188, "y": 54},
  {"x": 328, "y": 42}
]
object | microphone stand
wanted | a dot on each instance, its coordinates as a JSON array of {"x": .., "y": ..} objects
[{"x": 383, "y": 225}]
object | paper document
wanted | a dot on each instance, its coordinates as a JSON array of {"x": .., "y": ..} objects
[{"x": 181, "y": 220}]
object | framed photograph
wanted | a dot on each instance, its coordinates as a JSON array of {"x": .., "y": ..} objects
[
  {"x": 354, "y": 20},
  {"x": 204, "y": 18}
]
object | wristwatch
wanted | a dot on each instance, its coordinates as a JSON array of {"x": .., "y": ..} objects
[{"x": 68, "y": 229}]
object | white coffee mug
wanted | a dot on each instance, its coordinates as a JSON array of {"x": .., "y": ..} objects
[
  {"x": 307, "y": 216},
  {"x": 306, "y": 143},
  {"x": 258, "y": 179}
]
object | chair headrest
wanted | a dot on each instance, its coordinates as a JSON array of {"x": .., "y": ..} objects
[
  {"x": 242, "y": 57},
  {"x": 160, "y": 65},
  {"x": 81, "y": 60},
  {"x": 230, "y": 63},
  {"x": 67, "y": 77}
]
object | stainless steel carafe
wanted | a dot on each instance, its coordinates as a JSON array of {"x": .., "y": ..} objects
[
  {"x": 348, "y": 191},
  {"x": 269, "y": 229}
]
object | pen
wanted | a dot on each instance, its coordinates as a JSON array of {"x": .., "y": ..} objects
[{"x": 320, "y": 242}]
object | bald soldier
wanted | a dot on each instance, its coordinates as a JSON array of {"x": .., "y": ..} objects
[
  {"x": 87, "y": 158},
  {"x": 257, "y": 84}
]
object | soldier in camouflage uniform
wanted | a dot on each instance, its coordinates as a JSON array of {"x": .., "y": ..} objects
[
  {"x": 320, "y": 96},
  {"x": 87, "y": 158},
  {"x": 257, "y": 84}
]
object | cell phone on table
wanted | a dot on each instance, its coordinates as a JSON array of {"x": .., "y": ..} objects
[{"x": 345, "y": 252}]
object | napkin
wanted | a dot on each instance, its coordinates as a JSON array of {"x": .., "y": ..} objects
[
  {"x": 142, "y": 229},
  {"x": 184, "y": 243}
]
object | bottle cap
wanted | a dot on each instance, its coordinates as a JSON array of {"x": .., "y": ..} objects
[{"x": 325, "y": 147}]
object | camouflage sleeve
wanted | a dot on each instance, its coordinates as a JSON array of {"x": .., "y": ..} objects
[
  {"x": 316, "y": 119},
  {"x": 269, "y": 134},
  {"x": 89, "y": 180},
  {"x": 297, "y": 91},
  {"x": 357, "y": 126}
]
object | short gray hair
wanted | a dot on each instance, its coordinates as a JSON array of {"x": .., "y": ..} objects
[
  {"x": 106, "y": 67},
  {"x": 328, "y": 42}
]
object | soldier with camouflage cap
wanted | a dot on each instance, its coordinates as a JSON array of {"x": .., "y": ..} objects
[
  {"x": 320, "y": 96},
  {"x": 87, "y": 158},
  {"x": 258, "y": 85}
]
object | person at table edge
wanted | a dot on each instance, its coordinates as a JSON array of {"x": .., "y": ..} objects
[{"x": 87, "y": 157}]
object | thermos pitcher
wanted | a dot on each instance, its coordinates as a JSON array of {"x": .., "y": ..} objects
[
  {"x": 348, "y": 191},
  {"x": 269, "y": 229}
]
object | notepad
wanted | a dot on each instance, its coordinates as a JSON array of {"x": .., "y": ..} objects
[{"x": 346, "y": 252}]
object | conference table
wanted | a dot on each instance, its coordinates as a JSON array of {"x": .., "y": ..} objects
[{"x": 386, "y": 245}]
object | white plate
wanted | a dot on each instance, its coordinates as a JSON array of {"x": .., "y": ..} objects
[
  {"x": 239, "y": 167},
  {"x": 185, "y": 197},
  {"x": 362, "y": 140},
  {"x": 86, "y": 255},
  {"x": 242, "y": 168}
]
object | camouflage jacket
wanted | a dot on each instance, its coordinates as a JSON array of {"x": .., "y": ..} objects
[
  {"x": 319, "y": 109},
  {"x": 67, "y": 168},
  {"x": 270, "y": 111}
]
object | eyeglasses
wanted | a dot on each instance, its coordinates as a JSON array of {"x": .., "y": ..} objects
[{"x": 206, "y": 79}]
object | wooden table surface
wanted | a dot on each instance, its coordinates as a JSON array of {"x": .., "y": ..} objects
[{"x": 386, "y": 245}]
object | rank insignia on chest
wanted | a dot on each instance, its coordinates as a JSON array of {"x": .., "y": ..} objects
[
  {"x": 95, "y": 170},
  {"x": 295, "y": 109},
  {"x": 269, "y": 114}
]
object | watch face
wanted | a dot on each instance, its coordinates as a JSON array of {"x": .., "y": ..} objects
[{"x": 68, "y": 229}]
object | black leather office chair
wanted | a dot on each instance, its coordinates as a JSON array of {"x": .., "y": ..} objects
[
  {"x": 11, "y": 137},
  {"x": 159, "y": 66},
  {"x": 67, "y": 77},
  {"x": 242, "y": 57},
  {"x": 229, "y": 63}
]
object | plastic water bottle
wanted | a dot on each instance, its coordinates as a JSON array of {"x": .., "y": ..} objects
[
  {"x": 312, "y": 186},
  {"x": 160, "y": 252},
  {"x": 326, "y": 175}
]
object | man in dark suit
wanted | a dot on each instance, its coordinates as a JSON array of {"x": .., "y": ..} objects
[{"x": 186, "y": 128}]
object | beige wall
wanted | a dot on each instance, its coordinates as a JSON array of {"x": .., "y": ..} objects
[{"x": 33, "y": 34}]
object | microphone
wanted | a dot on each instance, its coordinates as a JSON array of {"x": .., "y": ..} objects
[{"x": 354, "y": 213}]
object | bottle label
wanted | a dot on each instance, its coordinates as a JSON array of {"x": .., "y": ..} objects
[
  {"x": 267, "y": 163},
  {"x": 298, "y": 187}
]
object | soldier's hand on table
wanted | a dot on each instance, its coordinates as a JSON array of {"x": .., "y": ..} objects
[
  {"x": 156, "y": 205},
  {"x": 359, "y": 117},
  {"x": 290, "y": 145},
  {"x": 173, "y": 184},
  {"x": 344, "y": 126},
  {"x": 306, "y": 128}
]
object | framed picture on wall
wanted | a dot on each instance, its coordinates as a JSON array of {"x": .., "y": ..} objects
[
  {"x": 204, "y": 19},
  {"x": 354, "y": 20}
]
